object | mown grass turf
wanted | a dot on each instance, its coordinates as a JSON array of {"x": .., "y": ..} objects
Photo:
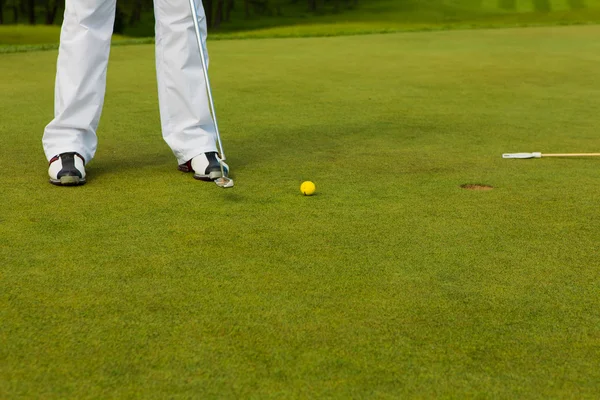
[
  {"x": 384, "y": 16},
  {"x": 390, "y": 17},
  {"x": 391, "y": 282},
  {"x": 13, "y": 35}
]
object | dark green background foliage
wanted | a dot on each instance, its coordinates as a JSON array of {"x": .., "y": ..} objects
[
  {"x": 135, "y": 17},
  {"x": 131, "y": 12}
]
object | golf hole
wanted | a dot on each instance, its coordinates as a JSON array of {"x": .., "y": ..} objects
[{"x": 476, "y": 186}]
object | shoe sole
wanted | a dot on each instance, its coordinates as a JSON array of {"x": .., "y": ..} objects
[{"x": 68, "y": 181}]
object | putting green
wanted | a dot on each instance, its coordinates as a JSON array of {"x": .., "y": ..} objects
[{"x": 391, "y": 281}]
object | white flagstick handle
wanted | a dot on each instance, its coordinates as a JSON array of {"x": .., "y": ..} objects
[{"x": 522, "y": 155}]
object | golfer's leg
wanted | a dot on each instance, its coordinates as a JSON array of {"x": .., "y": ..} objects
[
  {"x": 186, "y": 121},
  {"x": 80, "y": 77}
]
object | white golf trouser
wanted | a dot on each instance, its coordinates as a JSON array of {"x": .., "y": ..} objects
[{"x": 80, "y": 85}]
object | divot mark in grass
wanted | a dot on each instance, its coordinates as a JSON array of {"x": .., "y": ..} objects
[{"x": 476, "y": 186}]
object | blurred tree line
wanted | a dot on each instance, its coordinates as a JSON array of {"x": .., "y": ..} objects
[
  {"x": 131, "y": 12},
  {"x": 135, "y": 16},
  {"x": 540, "y": 5}
]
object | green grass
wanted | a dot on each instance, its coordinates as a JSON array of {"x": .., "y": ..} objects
[
  {"x": 388, "y": 16},
  {"x": 390, "y": 282},
  {"x": 384, "y": 16},
  {"x": 11, "y": 35},
  {"x": 27, "y": 35},
  {"x": 24, "y": 38}
]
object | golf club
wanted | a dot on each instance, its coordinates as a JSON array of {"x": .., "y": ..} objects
[
  {"x": 540, "y": 155},
  {"x": 223, "y": 181}
]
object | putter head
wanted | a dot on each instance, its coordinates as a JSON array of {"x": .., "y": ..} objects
[{"x": 224, "y": 182}]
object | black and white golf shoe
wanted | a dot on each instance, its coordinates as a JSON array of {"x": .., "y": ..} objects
[
  {"x": 206, "y": 166},
  {"x": 67, "y": 169}
]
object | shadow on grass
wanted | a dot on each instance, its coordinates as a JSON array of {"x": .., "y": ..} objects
[{"x": 144, "y": 161}]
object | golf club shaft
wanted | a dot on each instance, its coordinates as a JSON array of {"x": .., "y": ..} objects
[
  {"x": 540, "y": 155},
  {"x": 572, "y": 155},
  {"x": 205, "y": 70}
]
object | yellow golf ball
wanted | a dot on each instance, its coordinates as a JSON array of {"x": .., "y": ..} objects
[{"x": 307, "y": 188}]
